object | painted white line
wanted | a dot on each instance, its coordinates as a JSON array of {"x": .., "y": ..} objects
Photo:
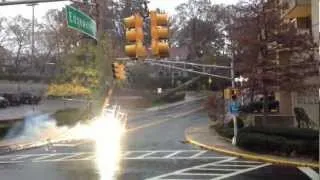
[
  {"x": 236, "y": 165},
  {"x": 310, "y": 173},
  {"x": 216, "y": 169},
  {"x": 248, "y": 162},
  {"x": 19, "y": 157},
  {"x": 172, "y": 154},
  {"x": 126, "y": 154},
  {"x": 185, "y": 158},
  {"x": 241, "y": 171},
  {"x": 9, "y": 162},
  {"x": 41, "y": 158},
  {"x": 145, "y": 155},
  {"x": 90, "y": 157},
  {"x": 65, "y": 157},
  {"x": 201, "y": 174},
  {"x": 190, "y": 168},
  {"x": 165, "y": 151},
  {"x": 198, "y": 154},
  {"x": 64, "y": 145}
]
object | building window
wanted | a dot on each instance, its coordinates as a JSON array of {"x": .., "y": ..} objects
[{"x": 304, "y": 22}]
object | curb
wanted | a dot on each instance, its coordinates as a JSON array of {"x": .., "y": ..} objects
[
  {"x": 29, "y": 145},
  {"x": 248, "y": 155}
]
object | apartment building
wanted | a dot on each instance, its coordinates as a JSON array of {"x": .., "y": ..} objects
[{"x": 305, "y": 15}]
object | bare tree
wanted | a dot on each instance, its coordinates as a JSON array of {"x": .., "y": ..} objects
[
  {"x": 199, "y": 26},
  {"x": 18, "y": 38}
]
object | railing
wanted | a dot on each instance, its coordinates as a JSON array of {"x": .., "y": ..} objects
[{"x": 294, "y": 3}]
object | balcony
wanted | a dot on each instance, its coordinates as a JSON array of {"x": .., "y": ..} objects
[
  {"x": 303, "y": 31},
  {"x": 297, "y": 8}
]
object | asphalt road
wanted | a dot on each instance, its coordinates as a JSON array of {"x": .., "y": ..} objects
[{"x": 152, "y": 148}]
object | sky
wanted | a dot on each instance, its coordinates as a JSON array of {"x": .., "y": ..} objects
[{"x": 41, "y": 9}]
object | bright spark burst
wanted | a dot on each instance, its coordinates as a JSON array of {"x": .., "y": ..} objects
[{"x": 106, "y": 131}]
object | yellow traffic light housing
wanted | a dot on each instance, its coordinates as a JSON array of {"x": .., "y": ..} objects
[
  {"x": 134, "y": 35},
  {"x": 118, "y": 71},
  {"x": 159, "y": 34}
]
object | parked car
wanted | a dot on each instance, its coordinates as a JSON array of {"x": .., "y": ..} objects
[
  {"x": 14, "y": 99},
  {"x": 3, "y": 102},
  {"x": 28, "y": 98}
]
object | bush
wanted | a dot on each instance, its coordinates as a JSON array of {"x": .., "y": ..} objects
[
  {"x": 67, "y": 90},
  {"x": 291, "y": 133},
  {"x": 258, "y": 107},
  {"x": 279, "y": 140},
  {"x": 3, "y": 131}
]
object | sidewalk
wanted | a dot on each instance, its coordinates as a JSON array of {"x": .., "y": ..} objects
[{"x": 207, "y": 138}]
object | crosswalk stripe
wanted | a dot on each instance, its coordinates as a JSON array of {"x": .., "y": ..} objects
[
  {"x": 67, "y": 157},
  {"x": 310, "y": 173},
  {"x": 164, "y": 176},
  {"x": 43, "y": 157},
  {"x": 145, "y": 155},
  {"x": 216, "y": 169},
  {"x": 198, "y": 154},
  {"x": 172, "y": 154},
  {"x": 19, "y": 157},
  {"x": 241, "y": 171},
  {"x": 128, "y": 155}
]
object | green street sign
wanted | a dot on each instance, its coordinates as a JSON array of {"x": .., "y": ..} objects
[{"x": 79, "y": 21}]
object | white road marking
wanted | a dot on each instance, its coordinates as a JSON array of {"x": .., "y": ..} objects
[
  {"x": 216, "y": 169},
  {"x": 241, "y": 171},
  {"x": 186, "y": 158},
  {"x": 247, "y": 162},
  {"x": 64, "y": 145},
  {"x": 10, "y": 162},
  {"x": 19, "y": 157},
  {"x": 198, "y": 154},
  {"x": 66, "y": 157},
  {"x": 220, "y": 166},
  {"x": 201, "y": 174},
  {"x": 41, "y": 158},
  {"x": 135, "y": 155},
  {"x": 92, "y": 157},
  {"x": 172, "y": 154},
  {"x": 190, "y": 168},
  {"x": 236, "y": 165},
  {"x": 126, "y": 154},
  {"x": 145, "y": 155},
  {"x": 310, "y": 173}
]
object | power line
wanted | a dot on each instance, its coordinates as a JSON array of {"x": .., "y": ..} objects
[{"x": 8, "y": 3}]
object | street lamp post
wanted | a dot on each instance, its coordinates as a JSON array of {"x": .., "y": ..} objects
[
  {"x": 241, "y": 80},
  {"x": 32, "y": 34}
]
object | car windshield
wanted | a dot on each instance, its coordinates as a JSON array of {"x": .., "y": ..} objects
[{"x": 159, "y": 89}]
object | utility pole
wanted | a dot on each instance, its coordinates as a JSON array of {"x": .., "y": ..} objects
[
  {"x": 232, "y": 71},
  {"x": 32, "y": 34}
]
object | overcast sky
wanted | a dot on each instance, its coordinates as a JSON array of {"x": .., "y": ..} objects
[{"x": 41, "y": 9}]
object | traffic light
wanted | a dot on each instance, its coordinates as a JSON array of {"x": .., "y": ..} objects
[
  {"x": 118, "y": 71},
  {"x": 135, "y": 37},
  {"x": 159, "y": 34}
]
